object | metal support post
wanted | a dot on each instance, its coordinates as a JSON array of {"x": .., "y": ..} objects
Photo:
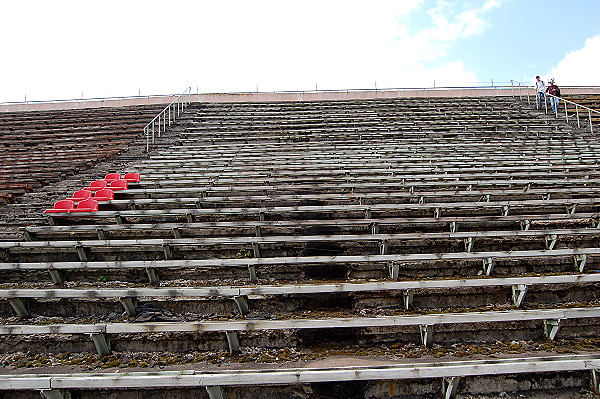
[
  {"x": 19, "y": 307},
  {"x": 252, "y": 272},
  {"x": 215, "y": 392},
  {"x": 81, "y": 252},
  {"x": 449, "y": 386},
  {"x": 102, "y": 342},
  {"x": 580, "y": 261},
  {"x": 152, "y": 276},
  {"x": 394, "y": 270},
  {"x": 469, "y": 244},
  {"x": 488, "y": 265},
  {"x": 55, "y": 276},
  {"x": 374, "y": 228},
  {"x": 426, "y": 334},
  {"x": 518, "y": 294},
  {"x": 551, "y": 328},
  {"x": 383, "y": 247},
  {"x": 129, "y": 303},
  {"x": 102, "y": 234},
  {"x": 176, "y": 232},
  {"x": 256, "y": 249},
  {"x": 595, "y": 380},
  {"x": 167, "y": 251},
  {"x": 55, "y": 394},
  {"x": 232, "y": 342},
  {"x": 550, "y": 240},
  {"x": 453, "y": 227},
  {"x": 242, "y": 303},
  {"x": 408, "y": 299}
]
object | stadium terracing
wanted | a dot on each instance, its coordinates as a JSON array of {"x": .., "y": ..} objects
[{"x": 344, "y": 244}]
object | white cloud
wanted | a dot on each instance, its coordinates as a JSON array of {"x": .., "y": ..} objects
[
  {"x": 579, "y": 67},
  {"x": 64, "y": 48}
]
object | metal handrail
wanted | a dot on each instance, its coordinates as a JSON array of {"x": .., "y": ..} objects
[
  {"x": 565, "y": 101},
  {"x": 577, "y": 106},
  {"x": 159, "y": 123}
]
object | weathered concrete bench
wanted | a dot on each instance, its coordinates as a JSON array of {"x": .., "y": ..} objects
[
  {"x": 391, "y": 262},
  {"x": 549, "y": 239},
  {"x": 241, "y": 294},
  {"x": 100, "y": 333},
  {"x": 176, "y": 230},
  {"x": 56, "y": 386},
  {"x": 503, "y": 208}
]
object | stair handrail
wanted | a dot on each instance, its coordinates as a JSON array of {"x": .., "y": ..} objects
[
  {"x": 168, "y": 115},
  {"x": 577, "y": 106}
]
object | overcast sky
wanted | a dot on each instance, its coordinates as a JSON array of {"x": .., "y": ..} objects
[{"x": 65, "y": 49}]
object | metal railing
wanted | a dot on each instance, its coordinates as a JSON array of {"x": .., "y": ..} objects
[
  {"x": 565, "y": 102},
  {"x": 167, "y": 116},
  {"x": 577, "y": 112}
]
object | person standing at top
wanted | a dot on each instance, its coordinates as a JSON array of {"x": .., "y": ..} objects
[
  {"x": 540, "y": 88},
  {"x": 554, "y": 90}
]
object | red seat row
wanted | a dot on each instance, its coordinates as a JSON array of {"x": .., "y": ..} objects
[{"x": 86, "y": 200}]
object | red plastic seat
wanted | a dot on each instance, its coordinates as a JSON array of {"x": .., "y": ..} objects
[
  {"x": 132, "y": 177},
  {"x": 88, "y": 205},
  {"x": 80, "y": 195},
  {"x": 111, "y": 177},
  {"x": 97, "y": 185},
  {"x": 105, "y": 194},
  {"x": 61, "y": 206},
  {"x": 118, "y": 185}
]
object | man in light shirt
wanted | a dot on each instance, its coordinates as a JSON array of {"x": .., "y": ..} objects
[{"x": 540, "y": 87}]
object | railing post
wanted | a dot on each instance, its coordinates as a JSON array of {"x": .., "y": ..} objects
[
  {"x": 147, "y": 139},
  {"x": 577, "y": 113},
  {"x": 590, "y": 115},
  {"x": 566, "y": 113}
]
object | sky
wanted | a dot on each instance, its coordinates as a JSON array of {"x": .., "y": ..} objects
[{"x": 71, "y": 49}]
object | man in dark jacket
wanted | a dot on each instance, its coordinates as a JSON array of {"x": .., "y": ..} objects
[{"x": 554, "y": 99}]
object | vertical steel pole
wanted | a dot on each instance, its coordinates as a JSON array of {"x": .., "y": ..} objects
[
  {"x": 577, "y": 112},
  {"x": 147, "y": 139},
  {"x": 566, "y": 113},
  {"x": 591, "y": 126}
]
